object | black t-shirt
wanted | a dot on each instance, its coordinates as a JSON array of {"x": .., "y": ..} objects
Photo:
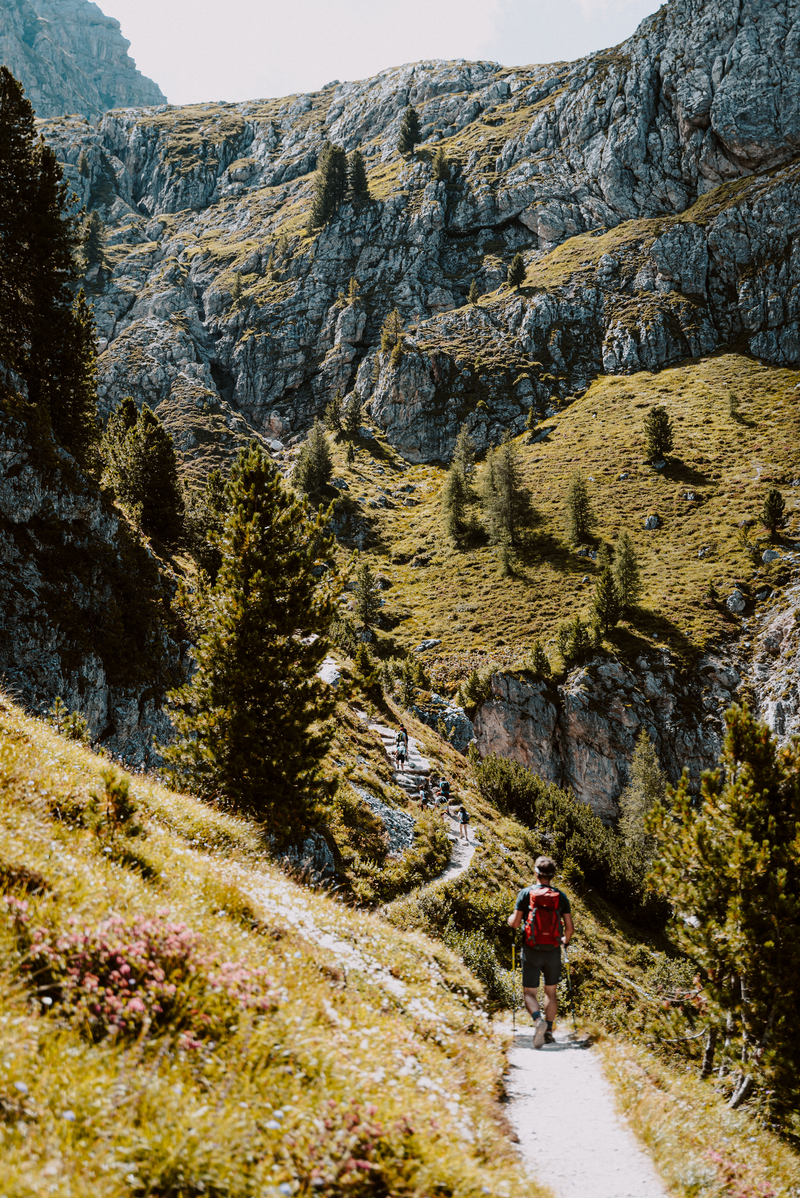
[{"x": 523, "y": 904}]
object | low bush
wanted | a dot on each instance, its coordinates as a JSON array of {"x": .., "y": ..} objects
[
  {"x": 132, "y": 975},
  {"x": 573, "y": 832}
]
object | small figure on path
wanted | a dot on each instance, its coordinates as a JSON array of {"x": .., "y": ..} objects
[
  {"x": 544, "y": 913},
  {"x": 463, "y": 820},
  {"x": 400, "y": 749}
]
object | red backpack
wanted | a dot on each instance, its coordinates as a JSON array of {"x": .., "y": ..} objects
[{"x": 543, "y": 926}]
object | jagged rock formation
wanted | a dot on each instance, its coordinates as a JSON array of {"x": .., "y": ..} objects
[
  {"x": 655, "y": 151},
  {"x": 83, "y": 611},
  {"x": 69, "y": 57},
  {"x": 581, "y": 734}
]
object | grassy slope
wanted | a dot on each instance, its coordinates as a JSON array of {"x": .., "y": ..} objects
[
  {"x": 729, "y": 462},
  {"x": 404, "y": 1042}
]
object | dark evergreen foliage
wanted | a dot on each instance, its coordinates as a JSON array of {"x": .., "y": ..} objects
[
  {"x": 333, "y": 413},
  {"x": 516, "y": 272},
  {"x": 575, "y": 641},
  {"x": 506, "y": 499},
  {"x": 474, "y": 293},
  {"x": 367, "y": 597},
  {"x": 330, "y": 185},
  {"x": 537, "y": 663},
  {"x": 571, "y": 831},
  {"x": 658, "y": 433},
  {"x": 248, "y": 724},
  {"x": 206, "y": 512},
  {"x": 729, "y": 862},
  {"x": 440, "y": 167},
  {"x": 45, "y": 334},
  {"x": 409, "y": 132},
  {"x": 140, "y": 467},
  {"x": 93, "y": 246},
  {"x": 627, "y": 575},
  {"x": 351, "y": 422},
  {"x": 314, "y": 464},
  {"x": 607, "y": 606},
  {"x": 773, "y": 513},
  {"x": 357, "y": 176},
  {"x": 578, "y": 515}
]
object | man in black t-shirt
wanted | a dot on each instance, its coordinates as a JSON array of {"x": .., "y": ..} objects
[{"x": 542, "y": 958}]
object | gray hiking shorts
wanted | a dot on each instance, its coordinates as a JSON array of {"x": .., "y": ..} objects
[{"x": 541, "y": 960}]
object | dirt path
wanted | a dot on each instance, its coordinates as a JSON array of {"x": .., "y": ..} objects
[
  {"x": 570, "y": 1133},
  {"x": 418, "y": 770}
]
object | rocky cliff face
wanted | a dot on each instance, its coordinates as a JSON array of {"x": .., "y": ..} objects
[
  {"x": 581, "y": 734},
  {"x": 71, "y": 58},
  {"x": 649, "y": 188},
  {"x": 83, "y": 609}
]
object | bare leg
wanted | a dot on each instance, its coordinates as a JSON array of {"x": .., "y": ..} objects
[
  {"x": 550, "y": 1003},
  {"x": 530, "y": 999}
]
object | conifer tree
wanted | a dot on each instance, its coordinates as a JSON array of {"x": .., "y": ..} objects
[
  {"x": 464, "y": 455},
  {"x": 44, "y": 336},
  {"x": 366, "y": 671},
  {"x": 474, "y": 293},
  {"x": 353, "y": 294},
  {"x": 330, "y": 185},
  {"x": 729, "y": 863},
  {"x": 248, "y": 724},
  {"x": 646, "y": 788},
  {"x": 409, "y": 132},
  {"x": 658, "y": 433},
  {"x": 351, "y": 423},
  {"x": 94, "y": 234},
  {"x": 606, "y": 602},
  {"x": 516, "y": 272},
  {"x": 206, "y": 512},
  {"x": 627, "y": 575},
  {"x": 333, "y": 413},
  {"x": 455, "y": 502},
  {"x": 506, "y": 499},
  {"x": 578, "y": 515},
  {"x": 367, "y": 597},
  {"x": 84, "y": 169},
  {"x": 574, "y": 641},
  {"x": 773, "y": 513},
  {"x": 537, "y": 663},
  {"x": 141, "y": 468},
  {"x": 440, "y": 167},
  {"x": 236, "y": 289},
  {"x": 357, "y": 177},
  {"x": 314, "y": 463},
  {"x": 532, "y": 419},
  {"x": 392, "y": 335}
]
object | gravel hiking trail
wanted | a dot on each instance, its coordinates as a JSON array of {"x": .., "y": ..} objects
[
  {"x": 571, "y": 1134},
  {"x": 418, "y": 770}
]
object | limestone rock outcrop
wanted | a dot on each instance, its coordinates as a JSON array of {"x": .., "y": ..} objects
[
  {"x": 71, "y": 58},
  {"x": 649, "y": 188},
  {"x": 83, "y": 608},
  {"x": 581, "y": 734}
]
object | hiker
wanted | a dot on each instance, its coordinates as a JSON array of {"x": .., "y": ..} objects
[
  {"x": 544, "y": 913},
  {"x": 444, "y": 790},
  {"x": 400, "y": 749},
  {"x": 463, "y": 820}
]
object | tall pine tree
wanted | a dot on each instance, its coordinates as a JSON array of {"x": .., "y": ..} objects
[
  {"x": 627, "y": 575},
  {"x": 506, "y": 499},
  {"x": 315, "y": 464},
  {"x": 45, "y": 334},
  {"x": 248, "y": 724},
  {"x": 141, "y": 468}
]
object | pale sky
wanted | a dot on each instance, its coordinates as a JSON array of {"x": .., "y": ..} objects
[{"x": 199, "y": 50}]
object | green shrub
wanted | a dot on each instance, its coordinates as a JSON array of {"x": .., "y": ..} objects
[{"x": 572, "y": 831}]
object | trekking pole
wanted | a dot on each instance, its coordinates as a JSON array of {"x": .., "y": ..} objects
[
  {"x": 571, "y": 995},
  {"x": 513, "y": 983}
]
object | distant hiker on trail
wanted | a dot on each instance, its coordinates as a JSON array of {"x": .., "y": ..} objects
[
  {"x": 444, "y": 789},
  {"x": 463, "y": 820},
  {"x": 400, "y": 749},
  {"x": 544, "y": 913}
]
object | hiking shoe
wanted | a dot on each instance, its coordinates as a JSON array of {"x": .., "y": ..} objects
[
  {"x": 549, "y": 1038},
  {"x": 540, "y": 1034}
]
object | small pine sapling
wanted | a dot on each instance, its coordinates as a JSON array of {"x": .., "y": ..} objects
[
  {"x": 351, "y": 422},
  {"x": 474, "y": 292},
  {"x": 333, "y": 413},
  {"x": 537, "y": 662},
  {"x": 606, "y": 603},
  {"x": 773, "y": 513},
  {"x": 440, "y": 167},
  {"x": 647, "y": 786},
  {"x": 627, "y": 575},
  {"x": 409, "y": 135},
  {"x": 578, "y": 515},
  {"x": 516, "y": 272},
  {"x": 367, "y": 597},
  {"x": 314, "y": 464},
  {"x": 658, "y": 433}
]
